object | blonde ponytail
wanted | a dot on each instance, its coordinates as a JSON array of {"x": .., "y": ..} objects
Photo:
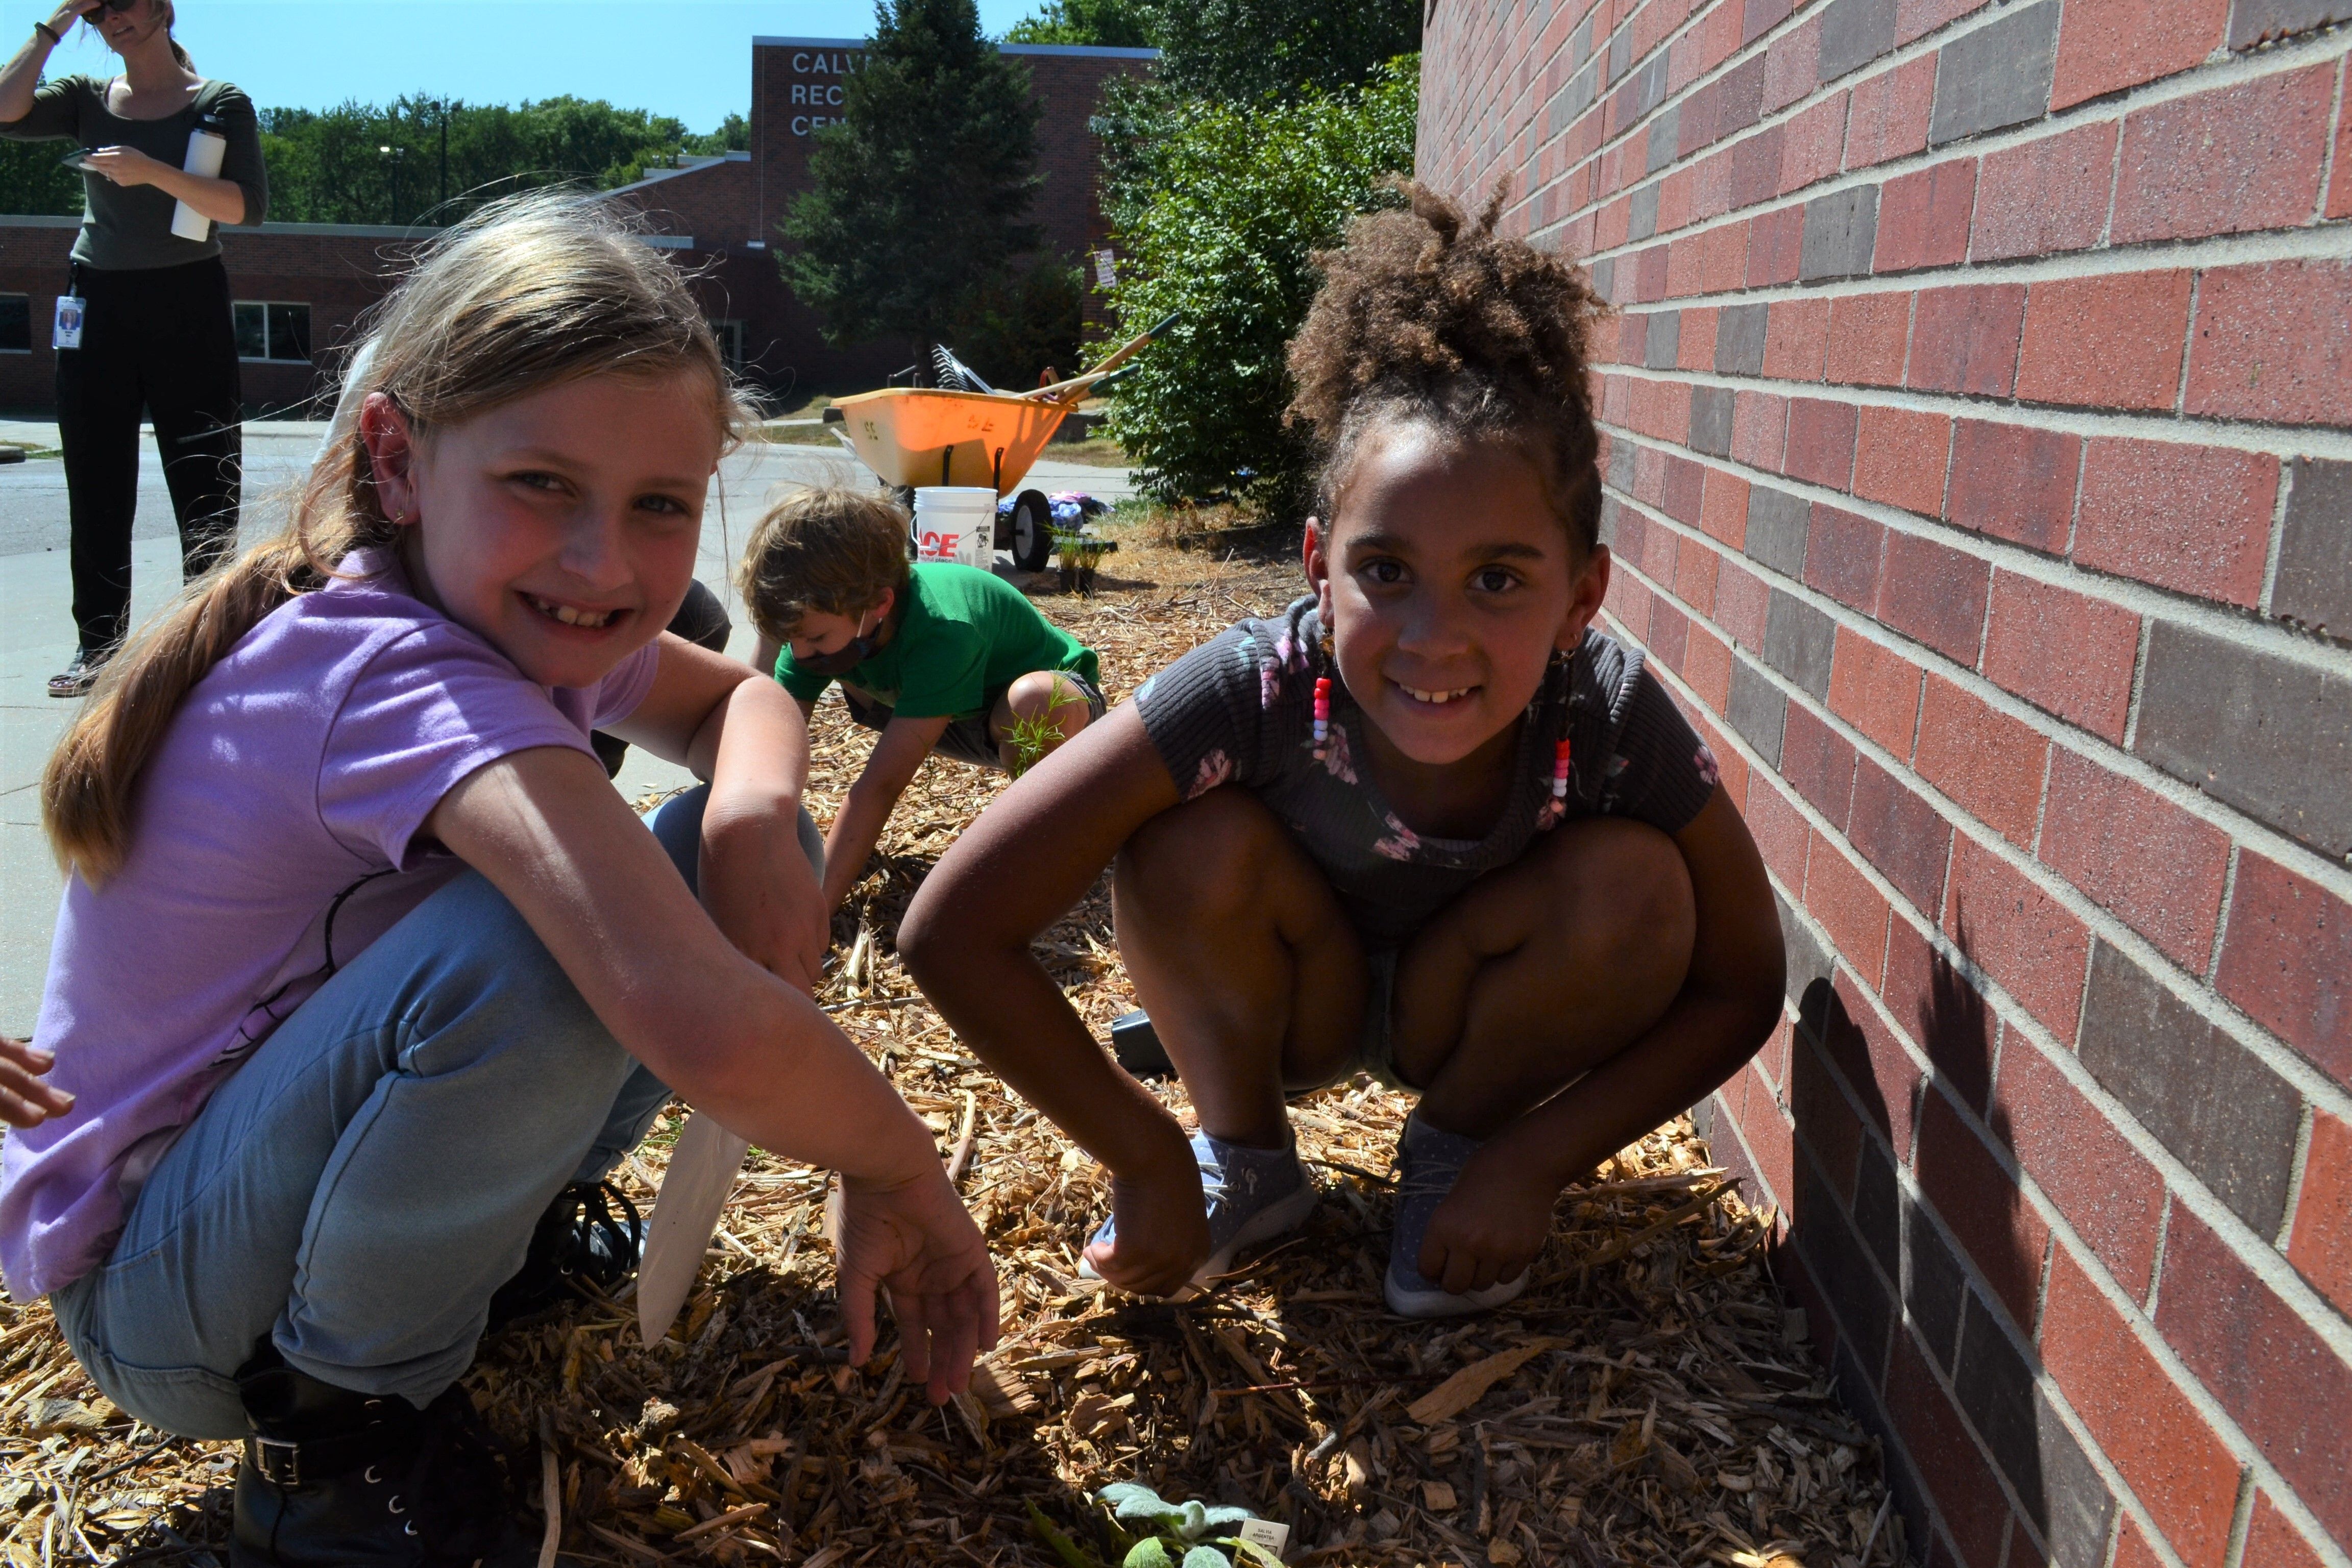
[{"x": 526, "y": 294}]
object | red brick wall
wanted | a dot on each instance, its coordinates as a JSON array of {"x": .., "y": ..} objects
[{"x": 1975, "y": 431}]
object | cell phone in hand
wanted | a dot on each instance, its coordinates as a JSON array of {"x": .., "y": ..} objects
[{"x": 78, "y": 160}]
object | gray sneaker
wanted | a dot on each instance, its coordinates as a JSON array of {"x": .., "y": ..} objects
[
  {"x": 1428, "y": 1164},
  {"x": 1253, "y": 1195}
]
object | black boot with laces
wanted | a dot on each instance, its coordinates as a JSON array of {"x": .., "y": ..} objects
[
  {"x": 333, "y": 1479},
  {"x": 590, "y": 1234}
]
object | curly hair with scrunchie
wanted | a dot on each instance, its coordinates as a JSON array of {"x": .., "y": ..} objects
[{"x": 1427, "y": 317}]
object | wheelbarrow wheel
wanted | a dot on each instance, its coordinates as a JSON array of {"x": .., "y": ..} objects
[{"x": 1033, "y": 530}]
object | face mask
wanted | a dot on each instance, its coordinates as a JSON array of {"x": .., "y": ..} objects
[{"x": 845, "y": 659}]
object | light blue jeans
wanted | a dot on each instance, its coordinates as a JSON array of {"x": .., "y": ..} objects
[{"x": 359, "y": 1188}]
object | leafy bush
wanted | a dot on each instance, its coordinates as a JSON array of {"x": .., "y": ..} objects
[{"x": 1218, "y": 208}]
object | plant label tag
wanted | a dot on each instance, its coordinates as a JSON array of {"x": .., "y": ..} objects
[
  {"x": 1264, "y": 1532},
  {"x": 71, "y": 311}
]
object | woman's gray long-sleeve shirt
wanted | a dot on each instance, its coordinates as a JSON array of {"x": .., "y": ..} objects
[{"x": 127, "y": 228}]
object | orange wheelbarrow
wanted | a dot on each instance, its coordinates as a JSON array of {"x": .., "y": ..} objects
[{"x": 913, "y": 436}]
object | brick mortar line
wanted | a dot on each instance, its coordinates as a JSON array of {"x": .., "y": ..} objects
[
  {"x": 2297, "y": 1167},
  {"x": 2327, "y": 150},
  {"x": 2298, "y": 1071},
  {"x": 2242, "y": 1519},
  {"x": 2239, "y": 68},
  {"x": 2240, "y": 628},
  {"x": 2183, "y": 1187},
  {"x": 2179, "y": 405},
  {"x": 2274, "y": 544}
]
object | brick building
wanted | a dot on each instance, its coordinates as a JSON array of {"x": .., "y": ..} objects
[
  {"x": 1978, "y": 473},
  {"x": 299, "y": 287}
]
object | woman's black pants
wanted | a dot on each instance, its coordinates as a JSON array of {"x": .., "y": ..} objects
[{"x": 158, "y": 340}]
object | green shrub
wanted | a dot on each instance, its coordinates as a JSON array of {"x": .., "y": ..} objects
[{"x": 1219, "y": 208}]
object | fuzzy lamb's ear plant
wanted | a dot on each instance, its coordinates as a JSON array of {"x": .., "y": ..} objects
[{"x": 1189, "y": 1523}]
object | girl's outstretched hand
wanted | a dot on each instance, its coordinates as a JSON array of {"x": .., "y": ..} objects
[
  {"x": 1490, "y": 1227},
  {"x": 916, "y": 1240},
  {"x": 1160, "y": 1235},
  {"x": 25, "y": 1099}
]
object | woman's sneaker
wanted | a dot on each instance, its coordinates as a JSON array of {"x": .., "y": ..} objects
[
  {"x": 77, "y": 677},
  {"x": 1253, "y": 1195},
  {"x": 1428, "y": 1164}
]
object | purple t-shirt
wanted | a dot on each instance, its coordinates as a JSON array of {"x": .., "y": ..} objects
[{"x": 296, "y": 772}]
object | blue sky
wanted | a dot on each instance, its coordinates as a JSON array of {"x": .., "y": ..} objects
[{"x": 691, "y": 61}]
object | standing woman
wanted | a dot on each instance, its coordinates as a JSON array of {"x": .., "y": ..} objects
[{"x": 155, "y": 314}]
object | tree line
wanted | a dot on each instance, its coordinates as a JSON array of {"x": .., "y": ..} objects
[{"x": 415, "y": 160}]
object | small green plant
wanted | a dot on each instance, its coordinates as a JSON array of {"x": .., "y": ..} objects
[
  {"x": 1194, "y": 1530},
  {"x": 1080, "y": 554},
  {"x": 1032, "y": 737}
]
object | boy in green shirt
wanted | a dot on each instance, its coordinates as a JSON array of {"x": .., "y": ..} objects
[{"x": 936, "y": 656}]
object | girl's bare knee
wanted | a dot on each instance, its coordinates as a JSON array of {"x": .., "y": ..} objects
[
  {"x": 1203, "y": 859},
  {"x": 1631, "y": 889}
]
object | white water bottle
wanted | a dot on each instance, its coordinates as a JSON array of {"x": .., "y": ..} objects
[{"x": 206, "y": 150}]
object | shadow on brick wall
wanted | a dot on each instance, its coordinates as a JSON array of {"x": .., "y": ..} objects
[{"x": 1923, "y": 1354}]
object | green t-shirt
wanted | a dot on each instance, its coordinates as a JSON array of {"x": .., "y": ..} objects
[{"x": 963, "y": 637}]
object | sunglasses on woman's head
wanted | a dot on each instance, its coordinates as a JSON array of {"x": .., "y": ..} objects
[{"x": 104, "y": 7}]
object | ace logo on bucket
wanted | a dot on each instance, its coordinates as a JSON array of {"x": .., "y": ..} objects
[{"x": 956, "y": 522}]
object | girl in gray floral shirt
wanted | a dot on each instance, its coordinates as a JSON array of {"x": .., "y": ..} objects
[{"x": 1426, "y": 822}]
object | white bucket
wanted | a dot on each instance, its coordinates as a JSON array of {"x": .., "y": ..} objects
[{"x": 956, "y": 522}]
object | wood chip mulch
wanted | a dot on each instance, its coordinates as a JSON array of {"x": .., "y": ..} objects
[{"x": 1649, "y": 1400}]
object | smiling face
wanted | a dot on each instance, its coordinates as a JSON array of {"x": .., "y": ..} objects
[
  {"x": 1446, "y": 579},
  {"x": 560, "y": 526}
]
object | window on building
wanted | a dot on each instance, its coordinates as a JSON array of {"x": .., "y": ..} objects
[
  {"x": 269, "y": 330},
  {"x": 731, "y": 341},
  {"x": 15, "y": 323}
]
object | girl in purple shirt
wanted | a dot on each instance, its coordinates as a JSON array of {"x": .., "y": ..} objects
[{"x": 365, "y": 977}]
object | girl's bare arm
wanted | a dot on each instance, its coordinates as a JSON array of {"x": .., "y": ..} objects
[
  {"x": 1029, "y": 857},
  {"x": 548, "y": 830},
  {"x": 749, "y": 737}
]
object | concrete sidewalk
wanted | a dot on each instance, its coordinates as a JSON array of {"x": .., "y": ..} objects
[{"x": 37, "y": 635}]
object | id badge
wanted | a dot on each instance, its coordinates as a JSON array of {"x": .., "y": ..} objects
[{"x": 72, "y": 310}]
